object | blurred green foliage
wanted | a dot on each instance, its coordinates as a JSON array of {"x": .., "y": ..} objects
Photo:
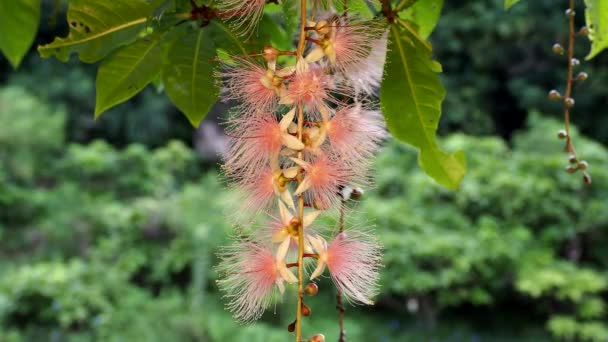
[
  {"x": 520, "y": 229},
  {"x": 99, "y": 243}
]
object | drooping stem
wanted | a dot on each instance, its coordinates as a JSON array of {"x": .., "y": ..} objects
[
  {"x": 339, "y": 304},
  {"x": 569, "y": 81},
  {"x": 299, "y": 55}
]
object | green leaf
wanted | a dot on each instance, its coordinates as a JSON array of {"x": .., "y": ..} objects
[
  {"x": 226, "y": 39},
  {"x": 364, "y": 9},
  {"x": 18, "y": 26},
  {"x": 510, "y": 3},
  {"x": 188, "y": 74},
  {"x": 290, "y": 16},
  {"x": 411, "y": 98},
  {"x": 596, "y": 14},
  {"x": 97, "y": 27},
  {"x": 127, "y": 71},
  {"x": 424, "y": 14}
]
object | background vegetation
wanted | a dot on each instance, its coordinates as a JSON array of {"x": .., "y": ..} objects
[{"x": 109, "y": 228}]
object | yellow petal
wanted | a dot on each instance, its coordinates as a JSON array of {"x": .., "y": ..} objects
[
  {"x": 331, "y": 53},
  {"x": 282, "y": 251},
  {"x": 280, "y": 236},
  {"x": 293, "y": 128},
  {"x": 287, "y": 71},
  {"x": 286, "y": 197},
  {"x": 285, "y": 214},
  {"x": 287, "y": 275},
  {"x": 300, "y": 162},
  {"x": 301, "y": 66},
  {"x": 287, "y": 120},
  {"x": 319, "y": 244},
  {"x": 267, "y": 81},
  {"x": 315, "y": 55},
  {"x": 305, "y": 185},
  {"x": 319, "y": 270},
  {"x": 291, "y": 172},
  {"x": 310, "y": 217},
  {"x": 292, "y": 142}
]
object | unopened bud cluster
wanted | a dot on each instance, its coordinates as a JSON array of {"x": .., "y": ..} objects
[
  {"x": 301, "y": 144},
  {"x": 567, "y": 99}
]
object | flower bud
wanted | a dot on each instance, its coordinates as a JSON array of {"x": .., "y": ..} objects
[
  {"x": 554, "y": 95},
  {"x": 305, "y": 310},
  {"x": 575, "y": 62},
  {"x": 571, "y": 169},
  {"x": 572, "y": 159},
  {"x": 583, "y": 165},
  {"x": 292, "y": 326},
  {"x": 584, "y": 31},
  {"x": 570, "y": 12},
  {"x": 582, "y": 76},
  {"x": 562, "y": 134},
  {"x": 311, "y": 289},
  {"x": 317, "y": 338},
  {"x": 270, "y": 53},
  {"x": 558, "y": 49},
  {"x": 587, "y": 178},
  {"x": 569, "y": 102}
]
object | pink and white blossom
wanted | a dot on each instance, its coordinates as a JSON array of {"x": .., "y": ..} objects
[
  {"x": 254, "y": 86},
  {"x": 250, "y": 273},
  {"x": 323, "y": 179},
  {"x": 353, "y": 259}
]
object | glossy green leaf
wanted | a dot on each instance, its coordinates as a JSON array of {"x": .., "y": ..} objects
[
  {"x": 510, "y": 3},
  {"x": 97, "y": 27},
  {"x": 596, "y": 14},
  {"x": 424, "y": 14},
  {"x": 18, "y": 26},
  {"x": 126, "y": 72},
  {"x": 411, "y": 98},
  {"x": 188, "y": 74},
  {"x": 226, "y": 39},
  {"x": 290, "y": 16},
  {"x": 364, "y": 9}
]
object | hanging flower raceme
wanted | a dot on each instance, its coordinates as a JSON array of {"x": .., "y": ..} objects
[{"x": 301, "y": 144}]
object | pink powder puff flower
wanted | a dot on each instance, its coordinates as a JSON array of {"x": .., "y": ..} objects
[
  {"x": 344, "y": 42},
  {"x": 309, "y": 85},
  {"x": 355, "y": 134},
  {"x": 246, "y": 13},
  {"x": 255, "y": 141},
  {"x": 353, "y": 260},
  {"x": 256, "y": 87},
  {"x": 365, "y": 76},
  {"x": 261, "y": 186},
  {"x": 323, "y": 179},
  {"x": 250, "y": 273}
]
